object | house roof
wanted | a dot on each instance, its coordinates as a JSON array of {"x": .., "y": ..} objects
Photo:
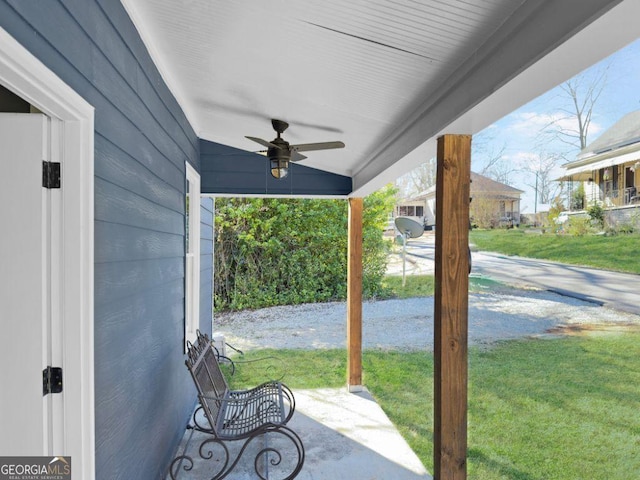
[
  {"x": 386, "y": 78},
  {"x": 624, "y": 132},
  {"x": 480, "y": 185},
  {"x": 485, "y": 185}
]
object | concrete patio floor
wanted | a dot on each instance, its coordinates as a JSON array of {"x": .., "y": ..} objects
[{"x": 345, "y": 435}]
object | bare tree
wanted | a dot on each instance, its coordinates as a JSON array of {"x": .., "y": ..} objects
[
  {"x": 502, "y": 171},
  {"x": 403, "y": 184},
  {"x": 542, "y": 166},
  {"x": 491, "y": 157},
  {"x": 424, "y": 176},
  {"x": 571, "y": 123},
  {"x": 418, "y": 180}
]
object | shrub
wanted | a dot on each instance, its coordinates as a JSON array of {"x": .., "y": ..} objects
[
  {"x": 289, "y": 251},
  {"x": 483, "y": 213},
  {"x": 626, "y": 228},
  {"x": 596, "y": 213},
  {"x": 579, "y": 226}
]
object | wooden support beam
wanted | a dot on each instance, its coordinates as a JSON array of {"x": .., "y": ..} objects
[
  {"x": 451, "y": 307},
  {"x": 354, "y": 296}
]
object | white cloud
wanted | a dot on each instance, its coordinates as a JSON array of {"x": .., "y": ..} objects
[{"x": 533, "y": 123}]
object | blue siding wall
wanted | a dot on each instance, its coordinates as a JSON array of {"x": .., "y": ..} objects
[
  {"x": 142, "y": 140},
  {"x": 228, "y": 170}
]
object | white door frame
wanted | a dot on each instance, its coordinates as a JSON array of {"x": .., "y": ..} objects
[
  {"x": 192, "y": 263},
  {"x": 29, "y": 78}
]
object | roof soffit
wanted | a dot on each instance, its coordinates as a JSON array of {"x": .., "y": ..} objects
[{"x": 384, "y": 78}]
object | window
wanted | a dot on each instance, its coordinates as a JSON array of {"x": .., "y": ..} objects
[
  {"x": 192, "y": 255},
  {"x": 410, "y": 211}
]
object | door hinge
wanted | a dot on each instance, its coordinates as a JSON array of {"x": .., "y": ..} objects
[
  {"x": 51, "y": 380},
  {"x": 50, "y": 174}
]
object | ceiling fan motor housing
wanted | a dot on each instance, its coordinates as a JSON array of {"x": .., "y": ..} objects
[{"x": 281, "y": 150}]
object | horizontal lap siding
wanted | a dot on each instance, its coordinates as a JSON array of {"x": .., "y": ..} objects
[{"x": 142, "y": 140}]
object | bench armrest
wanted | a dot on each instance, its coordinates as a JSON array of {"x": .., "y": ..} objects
[{"x": 270, "y": 367}]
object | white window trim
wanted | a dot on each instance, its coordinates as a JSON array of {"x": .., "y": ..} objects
[
  {"x": 30, "y": 79},
  {"x": 192, "y": 257}
]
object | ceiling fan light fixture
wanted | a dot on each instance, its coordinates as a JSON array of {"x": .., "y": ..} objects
[{"x": 279, "y": 167}]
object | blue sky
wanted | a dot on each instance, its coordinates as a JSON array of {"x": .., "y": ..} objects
[{"x": 519, "y": 136}]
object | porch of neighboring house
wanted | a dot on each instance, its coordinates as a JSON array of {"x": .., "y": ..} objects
[
  {"x": 346, "y": 436},
  {"x": 612, "y": 187},
  {"x": 509, "y": 210},
  {"x": 607, "y": 169}
]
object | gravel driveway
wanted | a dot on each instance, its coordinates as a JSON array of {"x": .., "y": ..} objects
[{"x": 408, "y": 324}]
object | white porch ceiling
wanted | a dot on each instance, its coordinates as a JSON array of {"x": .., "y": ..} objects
[{"x": 383, "y": 76}]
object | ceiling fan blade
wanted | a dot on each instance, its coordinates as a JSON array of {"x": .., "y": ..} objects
[
  {"x": 306, "y": 147},
  {"x": 262, "y": 142},
  {"x": 296, "y": 157}
]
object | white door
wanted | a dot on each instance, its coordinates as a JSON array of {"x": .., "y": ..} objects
[{"x": 29, "y": 292}]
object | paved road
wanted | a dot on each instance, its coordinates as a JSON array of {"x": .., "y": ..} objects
[{"x": 620, "y": 291}]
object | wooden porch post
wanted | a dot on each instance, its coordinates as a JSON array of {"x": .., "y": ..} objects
[
  {"x": 354, "y": 296},
  {"x": 451, "y": 307}
]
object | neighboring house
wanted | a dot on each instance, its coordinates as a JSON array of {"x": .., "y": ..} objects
[
  {"x": 608, "y": 167},
  {"x": 417, "y": 209},
  {"x": 493, "y": 203},
  {"x": 143, "y": 107}
]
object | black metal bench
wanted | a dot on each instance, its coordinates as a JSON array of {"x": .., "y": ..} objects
[{"x": 240, "y": 415}]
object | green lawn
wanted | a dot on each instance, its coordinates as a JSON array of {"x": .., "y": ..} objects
[
  {"x": 424, "y": 285},
  {"x": 565, "y": 409},
  {"x": 415, "y": 286},
  {"x": 538, "y": 409},
  {"x": 618, "y": 253}
]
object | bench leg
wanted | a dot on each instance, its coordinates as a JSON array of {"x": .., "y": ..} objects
[
  {"x": 185, "y": 463},
  {"x": 199, "y": 415},
  {"x": 281, "y": 458}
]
